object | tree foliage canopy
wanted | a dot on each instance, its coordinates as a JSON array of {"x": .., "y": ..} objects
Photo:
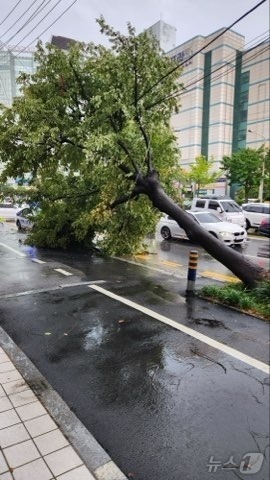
[
  {"x": 82, "y": 115},
  {"x": 245, "y": 167},
  {"x": 92, "y": 130},
  {"x": 201, "y": 172}
]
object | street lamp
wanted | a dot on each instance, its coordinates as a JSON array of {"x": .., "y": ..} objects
[{"x": 263, "y": 166}]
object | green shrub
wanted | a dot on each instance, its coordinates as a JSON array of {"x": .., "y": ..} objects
[{"x": 256, "y": 301}]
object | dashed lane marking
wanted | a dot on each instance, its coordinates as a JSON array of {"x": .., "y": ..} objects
[
  {"x": 155, "y": 269},
  {"x": 13, "y": 250},
  {"x": 219, "y": 276},
  {"x": 64, "y": 272},
  {"x": 146, "y": 256},
  {"x": 36, "y": 260},
  {"x": 189, "y": 331},
  {"x": 44, "y": 290},
  {"x": 171, "y": 264},
  {"x": 208, "y": 274}
]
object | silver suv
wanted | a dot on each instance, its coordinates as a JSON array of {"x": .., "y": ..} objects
[
  {"x": 255, "y": 213},
  {"x": 224, "y": 207}
]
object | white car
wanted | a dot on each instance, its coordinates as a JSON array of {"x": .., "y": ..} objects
[
  {"x": 23, "y": 218},
  {"x": 255, "y": 213},
  {"x": 230, "y": 233},
  {"x": 8, "y": 211}
]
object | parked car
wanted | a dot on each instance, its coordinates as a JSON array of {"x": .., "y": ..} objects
[
  {"x": 224, "y": 207},
  {"x": 229, "y": 233},
  {"x": 255, "y": 213},
  {"x": 24, "y": 218},
  {"x": 264, "y": 227},
  {"x": 8, "y": 211}
]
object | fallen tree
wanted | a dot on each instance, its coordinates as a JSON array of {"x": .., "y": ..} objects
[
  {"x": 92, "y": 130},
  {"x": 246, "y": 270}
]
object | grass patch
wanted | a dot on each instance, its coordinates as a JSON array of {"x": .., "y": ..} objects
[{"x": 255, "y": 301}]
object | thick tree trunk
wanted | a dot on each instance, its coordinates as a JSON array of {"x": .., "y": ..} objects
[{"x": 246, "y": 270}]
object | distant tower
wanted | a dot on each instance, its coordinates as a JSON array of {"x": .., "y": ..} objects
[
  {"x": 64, "y": 43},
  {"x": 164, "y": 33}
]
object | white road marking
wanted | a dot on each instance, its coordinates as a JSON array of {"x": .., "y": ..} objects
[
  {"x": 64, "y": 272},
  {"x": 43, "y": 290},
  {"x": 189, "y": 331},
  {"x": 13, "y": 250},
  {"x": 36, "y": 260}
]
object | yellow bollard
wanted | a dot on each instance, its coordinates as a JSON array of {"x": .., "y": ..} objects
[{"x": 192, "y": 271}]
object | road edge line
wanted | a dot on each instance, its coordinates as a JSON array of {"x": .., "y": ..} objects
[
  {"x": 12, "y": 250},
  {"x": 253, "y": 362}
]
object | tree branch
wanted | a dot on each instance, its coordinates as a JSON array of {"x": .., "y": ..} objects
[
  {"x": 122, "y": 144},
  {"x": 76, "y": 111},
  {"x": 64, "y": 139},
  {"x": 79, "y": 81},
  {"x": 125, "y": 198},
  {"x": 138, "y": 118},
  {"x": 126, "y": 150},
  {"x": 127, "y": 171},
  {"x": 147, "y": 142}
]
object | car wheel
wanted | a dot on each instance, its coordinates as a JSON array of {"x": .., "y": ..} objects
[
  {"x": 18, "y": 223},
  {"x": 247, "y": 225},
  {"x": 166, "y": 233}
]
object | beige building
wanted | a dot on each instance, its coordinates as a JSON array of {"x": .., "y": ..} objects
[{"x": 225, "y": 104}]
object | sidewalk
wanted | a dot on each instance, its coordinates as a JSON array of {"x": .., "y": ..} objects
[{"x": 34, "y": 434}]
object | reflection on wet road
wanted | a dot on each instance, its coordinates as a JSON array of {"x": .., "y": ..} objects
[
  {"x": 264, "y": 251},
  {"x": 177, "y": 251},
  {"x": 160, "y": 402},
  {"x": 164, "y": 404}
]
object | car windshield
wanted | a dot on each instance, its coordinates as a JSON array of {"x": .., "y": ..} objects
[
  {"x": 230, "y": 206},
  {"x": 204, "y": 217}
]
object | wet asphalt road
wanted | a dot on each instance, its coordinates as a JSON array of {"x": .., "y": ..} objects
[
  {"x": 257, "y": 249},
  {"x": 160, "y": 402}
]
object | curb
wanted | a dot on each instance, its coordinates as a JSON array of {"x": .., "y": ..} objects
[
  {"x": 244, "y": 312},
  {"x": 93, "y": 455}
]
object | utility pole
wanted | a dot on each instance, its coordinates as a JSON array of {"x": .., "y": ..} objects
[{"x": 261, "y": 187}]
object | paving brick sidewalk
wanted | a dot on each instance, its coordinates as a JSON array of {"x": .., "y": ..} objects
[{"x": 32, "y": 446}]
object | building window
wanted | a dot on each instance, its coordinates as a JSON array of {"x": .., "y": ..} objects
[
  {"x": 241, "y": 93},
  {"x": 206, "y": 103}
]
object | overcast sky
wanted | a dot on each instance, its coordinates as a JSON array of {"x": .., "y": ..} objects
[{"x": 190, "y": 17}]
